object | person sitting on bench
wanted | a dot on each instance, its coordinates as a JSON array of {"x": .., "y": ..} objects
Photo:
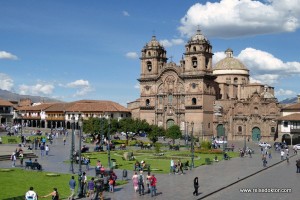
[{"x": 36, "y": 164}]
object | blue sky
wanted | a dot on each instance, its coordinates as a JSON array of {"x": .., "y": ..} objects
[{"x": 89, "y": 49}]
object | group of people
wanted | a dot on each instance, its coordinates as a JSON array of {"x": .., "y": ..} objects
[
  {"x": 32, "y": 195},
  {"x": 139, "y": 182},
  {"x": 175, "y": 168}
]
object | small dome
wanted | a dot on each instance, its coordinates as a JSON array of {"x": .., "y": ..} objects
[
  {"x": 230, "y": 63},
  {"x": 198, "y": 36},
  {"x": 153, "y": 42}
]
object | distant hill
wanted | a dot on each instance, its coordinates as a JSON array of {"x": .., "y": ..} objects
[
  {"x": 10, "y": 96},
  {"x": 289, "y": 100}
]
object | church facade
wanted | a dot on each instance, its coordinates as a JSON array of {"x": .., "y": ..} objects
[{"x": 206, "y": 100}]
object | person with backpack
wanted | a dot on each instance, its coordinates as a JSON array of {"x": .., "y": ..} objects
[
  {"x": 31, "y": 195},
  {"x": 141, "y": 183}
]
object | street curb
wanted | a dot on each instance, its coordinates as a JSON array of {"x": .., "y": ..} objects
[{"x": 239, "y": 180}]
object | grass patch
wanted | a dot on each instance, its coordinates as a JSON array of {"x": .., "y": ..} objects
[
  {"x": 16, "y": 183},
  {"x": 148, "y": 156}
]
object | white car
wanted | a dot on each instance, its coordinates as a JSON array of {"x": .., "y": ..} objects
[
  {"x": 264, "y": 144},
  {"x": 296, "y": 146}
]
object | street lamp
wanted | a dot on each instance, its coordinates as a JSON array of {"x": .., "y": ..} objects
[
  {"x": 80, "y": 123},
  {"x": 101, "y": 135},
  {"x": 192, "y": 145},
  {"x": 186, "y": 134},
  {"x": 245, "y": 146},
  {"x": 72, "y": 145},
  {"x": 108, "y": 145}
]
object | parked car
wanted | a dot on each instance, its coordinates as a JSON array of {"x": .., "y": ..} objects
[
  {"x": 264, "y": 144},
  {"x": 296, "y": 146}
]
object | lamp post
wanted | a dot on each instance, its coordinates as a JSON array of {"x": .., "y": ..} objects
[
  {"x": 80, "y": 123},
  {"x": 192, "y": 145},
  {"x": 101, "y": 134},
  {"x": 186, "y": 134},
  {"x": 108, "y": 145},
  {"x": 72, "y": 145},
  {"x": 245, "y": 146}
]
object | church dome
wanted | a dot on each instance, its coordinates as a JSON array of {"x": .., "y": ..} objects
[
  {"x": 230, "y": 63},
  {"x": 153, "y": 42}
]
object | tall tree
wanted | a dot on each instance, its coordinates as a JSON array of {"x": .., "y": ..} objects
[{"x": 174, "y": 133}]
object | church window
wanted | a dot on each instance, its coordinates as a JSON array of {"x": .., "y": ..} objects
[
  {"x": 194, "y": 48},
  {"x": 147, "y": 102},
  {"x": 149, "y": 53},
  {"x": 255, "y": 110},
  {"x": 240, "y": 129},
  {"x": 285, "y": 124},
  {"x": 208, "y": 125},
  {"x": 193, "y": 85},
  {"x": 272, "y": 129},
  {"x": 149, "y": 66},
  {"x": 170, "y": 98},
  {"x": 194, "y": 62},
  {"x": 160, "y": 100},
  {"x": 228, "y": 80},
  {"x": 235, "y": 80},
  {"x": 206, "y": 62},
  {"x": 194, "y": 101}
]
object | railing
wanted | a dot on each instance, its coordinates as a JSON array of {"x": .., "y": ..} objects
[
  {"x": 295, "y": 130},
  {"x": 55, "y": 118}
]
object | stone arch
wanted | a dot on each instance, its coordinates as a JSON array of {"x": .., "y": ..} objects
[
  {"x": 220, "y": 130},
  {"x": 286, "y": 138},
  {"x": 170, "y": 122}
]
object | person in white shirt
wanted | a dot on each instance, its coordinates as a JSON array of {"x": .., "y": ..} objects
[
  {"x": 47, "y": 149},
  {"x": 31, "y": 195}
]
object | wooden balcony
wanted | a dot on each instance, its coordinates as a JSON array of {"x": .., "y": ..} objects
[{"x": 55, "y": 118}]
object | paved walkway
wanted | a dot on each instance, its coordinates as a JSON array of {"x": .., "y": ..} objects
[{"x": 211, "y": 177}]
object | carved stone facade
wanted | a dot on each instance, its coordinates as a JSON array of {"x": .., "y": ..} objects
[{"x": 220, "y": 101}]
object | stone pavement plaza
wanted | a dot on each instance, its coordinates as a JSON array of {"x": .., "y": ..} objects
[{"x": 214, "y": 180}]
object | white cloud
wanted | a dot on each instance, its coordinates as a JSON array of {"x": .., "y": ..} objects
[
  {"x": 83, "y": 87},
  {"x": 7, "y": 55},
  {"x": 253, "y": 80},
  {"x": 282, "y": 92},
  {"x": 172, "y": 42},
  {"x": 233, "y": 18},
  {"x": 132, "y": 55},
  {"x": 6, "y": 83},
  {"x": 125, "y": 13},
  {"x": 37, "y": 89},
  {"x": 78, "y": 84},
  {"x": 137, "y": 86}
]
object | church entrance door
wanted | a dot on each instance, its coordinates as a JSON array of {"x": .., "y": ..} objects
[{"x": 256, "y": 134}]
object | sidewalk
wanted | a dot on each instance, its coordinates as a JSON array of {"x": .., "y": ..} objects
[{"x": 211, "y": 177}]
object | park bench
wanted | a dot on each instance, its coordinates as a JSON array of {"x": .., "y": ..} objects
[
  {"x": 229, "y": 148},
  {"x": 33, "y": 165},
  {"x": 208, "y": 161}
]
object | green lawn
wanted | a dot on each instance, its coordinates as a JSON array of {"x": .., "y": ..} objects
[
  {"x": 162, "y": 163},
  {"x": 17, "y": 182}
]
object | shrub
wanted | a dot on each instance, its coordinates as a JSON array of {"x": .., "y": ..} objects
[
  {"x": 157, "y": 147},
  {"x": 209, "y": 151},
  {"x": 205, "y": 145}
]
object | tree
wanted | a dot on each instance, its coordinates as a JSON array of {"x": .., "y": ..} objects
[{"x": 174, "y": 133}]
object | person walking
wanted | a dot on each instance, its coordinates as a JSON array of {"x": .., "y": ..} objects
[
  {"x": 54, "y": 194},
  {"x": 83, "y": 183},
  {"x": 148, "y": 182},
  {"x": 21, "y": 156},
  {"x": 13, "y": 159},
  {"x": 196, "y": 186},
  {"x": 31, "y": 194},
  {"x": 47, "y": 149},
  {"x": 42, "y": 148},
  {"x": 153, "y": 182},
  {"x": 282, "y": 154},
  {"x": 298, "y": 166},
  {"x": 72, "y": 184},
  {"x": 64, "y": 139},
  {"x": 180, "y": 166},
  {"x": 135, "y": 181},
  {"x": 172, "y": 171},
  {"x": 264, "y": 160},
  {"x": 91, "y": 187},
  {"x": 141, "y": 183}
]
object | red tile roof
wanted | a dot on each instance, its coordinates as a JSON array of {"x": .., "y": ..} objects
[
  {"x": 291, "y": 117},
  {"x": 5, "y": 103},
  {"x": 295, "y": 106}
]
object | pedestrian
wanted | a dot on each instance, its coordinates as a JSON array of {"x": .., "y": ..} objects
[
  {"x": 250, "y": 153},
  {"x": 172, "y": 171},
  {"x": 180, "y": 166},
  {"x": 282, "y": 154},
  {"x": 264, "y": 160},
  {"x": 111, "y": 185},
  {"x": 13, "y": 159},
  {"x": 54, "y": 194},
  {"x": 295, "y": 150},
  {"x": 72, "y": 184},
  {"x": 298, "y": 166},
  {"x": 135, "y": 181},
  {"x": 141, "y": 183},
  {"x": 148, "y": 182},
  {"x": 99, "y": 189},
  {"x": 87, "y": 162},
  {"x": 64, "y": 139},
  {"x": 21, "y": 156},
  {"x": 47, "y": 149},
  {"x": 31, "y": 194},
  {"x": 196, "y": 186},
  {"x": 153, "y": 182},
  {"x": 42, "y": 148},
  {"x": 83, "y": 183},
  {"x": 91, "y": 187}
]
